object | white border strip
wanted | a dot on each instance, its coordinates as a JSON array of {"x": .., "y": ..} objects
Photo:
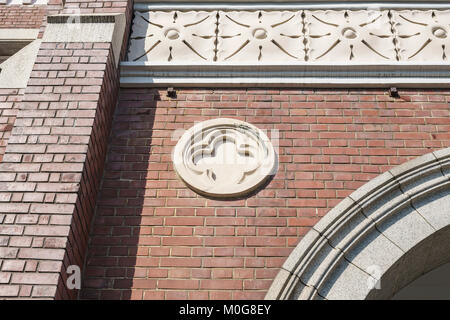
[
  {"x": 297, "y": 75},
  {"x": 232, "y": 5},
  {"x": 18, "y": 34},
  {"x": 286, "y": 82}
]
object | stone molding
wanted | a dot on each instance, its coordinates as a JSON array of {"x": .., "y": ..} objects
[
  {"x": 397, "y": 222},
  {"x": 224, "y": 157},
  {"x": 220, "y": 44}
]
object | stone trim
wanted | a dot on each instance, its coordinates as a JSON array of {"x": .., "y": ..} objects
[
  {"x": 21, "y": 46},
  {"x": 142, "y": 74},
  {"x": 288, "y": 47},
  {"x": 12, "y": 34},
  {"x": 87, "y": 28},
  {"x": 389, "y": 222},
  {"x": 16, "y": 70},
  {"x": 144, "y": 5}
]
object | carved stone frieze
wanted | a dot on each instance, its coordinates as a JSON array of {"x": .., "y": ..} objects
[
  {"x": 290, "y": 36},
  {"x": 326, "y": 45}
]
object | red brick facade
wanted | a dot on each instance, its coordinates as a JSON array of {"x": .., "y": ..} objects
[
  {"x": 154, "y": 238},
  {"x": 27, "y": 17},
  {"x": 134, "y": 228}
]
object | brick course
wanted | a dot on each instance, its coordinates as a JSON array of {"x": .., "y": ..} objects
[{"x": 153, "y": 238}]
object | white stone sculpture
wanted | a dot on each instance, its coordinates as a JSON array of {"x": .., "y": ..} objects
[
  {"x": 173, "y": 36},
  {"x": 224, "y": 157},
  {"x": 423, "y": 35}
]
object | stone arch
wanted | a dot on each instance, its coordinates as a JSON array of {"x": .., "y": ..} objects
[{"x": 394, "y": 228}]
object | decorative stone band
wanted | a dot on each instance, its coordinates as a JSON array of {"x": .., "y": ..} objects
[
  {"x": 224, "y": 157},
  {"x": 394, "y": 228},
  {"x": 290, "y": 46}
]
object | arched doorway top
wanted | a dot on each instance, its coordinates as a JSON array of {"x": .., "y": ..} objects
[{"x": 396, "y": 227}]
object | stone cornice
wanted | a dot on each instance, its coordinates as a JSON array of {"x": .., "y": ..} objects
[{"x": 289, "y": 47}]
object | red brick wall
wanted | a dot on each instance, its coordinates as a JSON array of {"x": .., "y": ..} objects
[
  {"x": 18, "y": 16},
  {"x": 153, "y": 238},
  {"x": 9, "y": 106}
]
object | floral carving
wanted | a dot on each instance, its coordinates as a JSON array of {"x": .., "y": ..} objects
[
  {"x": 357, "y": 36},
  {"x": 260, "y": 36},
  {"x": 423, "y": 34},
  {"x": 290, "y": 36},
  {"x": 173, "y": 36}
]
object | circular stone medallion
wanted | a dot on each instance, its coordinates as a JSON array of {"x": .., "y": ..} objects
[{"x": 224, "y": 157}]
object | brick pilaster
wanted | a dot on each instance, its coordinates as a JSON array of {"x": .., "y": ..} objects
[{"x": 52, "y": 167}]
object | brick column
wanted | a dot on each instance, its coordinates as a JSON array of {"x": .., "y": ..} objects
[{"x": 54, "y": 159}]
